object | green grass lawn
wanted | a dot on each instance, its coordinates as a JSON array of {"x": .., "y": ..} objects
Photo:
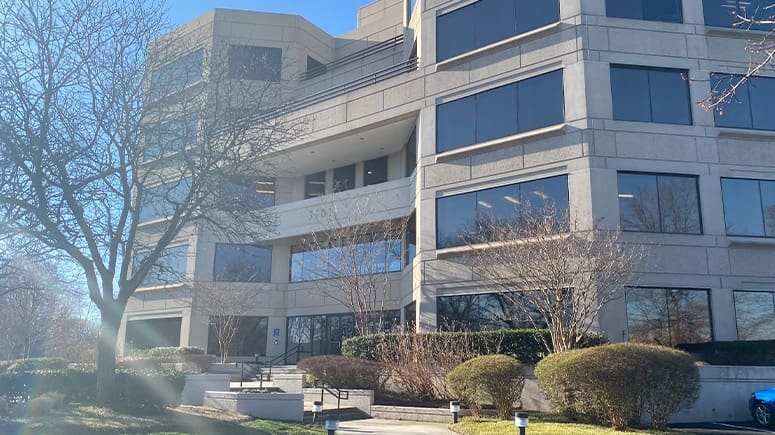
[
  {"x": 540, "y": 425},
  {"x": 80, "y": 419}
]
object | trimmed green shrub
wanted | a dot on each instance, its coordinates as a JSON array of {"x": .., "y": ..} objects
[
  {"x": 343, "y": 372},
  {"x": 495, "y": 378},
  {"x": 134, "y": 388},
  {"x": 32, "y": 364},
  {"x": 161, "y": 352},
  {"x": 733, "y": 353},
  {"x": 523, "y": 344},
  {"x": 617, "y": 383}
]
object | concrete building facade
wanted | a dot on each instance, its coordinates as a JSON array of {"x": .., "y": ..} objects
[{"x": 445, "y": 110}]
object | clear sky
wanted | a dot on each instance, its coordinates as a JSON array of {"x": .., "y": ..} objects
[{"x": 334, "y": 16}]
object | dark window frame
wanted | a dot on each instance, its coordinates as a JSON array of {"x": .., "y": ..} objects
[
  {"x": 677, "y": 3},
  {"x": 337, "y": 173},
  {"x": 745, "y": 87},
  {"x": 761, "y": 207},
  {"x": 311, "y": 179},
  {"x": 646, "y": 68},
  {"x": 376, "y": 161},
  {"x": 666, "y": 289},
  {"x": 215, "y": 261},
  {"x": 659, "y": 203},
  {"x": 706, "y": 9}
]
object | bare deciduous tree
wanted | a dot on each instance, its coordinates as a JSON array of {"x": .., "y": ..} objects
[
  {"x": 552, "y": 276},
  {"x": 81, "y": 165},
  {"x": 224, "y": 309},
  {"x": 353, "y": 259}
]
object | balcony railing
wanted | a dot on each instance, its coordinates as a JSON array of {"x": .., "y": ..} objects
[{"x": 353, "y": 57}]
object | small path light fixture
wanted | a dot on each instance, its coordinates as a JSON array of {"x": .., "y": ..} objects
[
  {"x": 521, "y": 419},
  {"x": 317, "y": 408},
  {"x": 454, "y": 408},
  {"x": 332, "y": 424}
]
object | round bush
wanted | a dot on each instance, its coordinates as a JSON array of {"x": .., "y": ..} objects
[
  {"x": 495, "y": 378},
  {"x": 344, "y": 372},
  {"x": 617, "y": 383}
]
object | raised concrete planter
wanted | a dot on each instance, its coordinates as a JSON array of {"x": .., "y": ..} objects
[
  {"x": 288, "y": 382},
  {"x": 724, "y": 393},
  {"x": 431, "y": 415},
  {"x": 268, "y": 406},
  {"x": 196, "y": 385},
  {"x": 361, "y": 399}
]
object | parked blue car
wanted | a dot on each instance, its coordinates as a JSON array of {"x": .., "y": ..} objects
[{"x": 762, "y": 406}]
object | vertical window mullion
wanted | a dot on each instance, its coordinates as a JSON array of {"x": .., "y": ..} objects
[{"x": 761, "y": 209}]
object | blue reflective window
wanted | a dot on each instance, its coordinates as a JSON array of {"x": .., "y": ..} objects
[
  {"x": 649, "y": 10},
  {"x": 242, "y": 263},
  {"x": 650, "y": 94},
  {"x": 488, "y": 21},
  {"x": 749, "y": 207},
  {"x": 751, "y": 105},
  {"x": 366, "y": 258},
  {"x": 161, "y": 201},
  {"x": 723, "y": 13},
  {"x": 530, "y": 104},
  {"x": 659, "y": 203},
  {"x": 464, "y": 218},
  {"x": 168, "y": 269},
  {"x": 176, "y": 75},
  {"x": 170, "y": 136}
]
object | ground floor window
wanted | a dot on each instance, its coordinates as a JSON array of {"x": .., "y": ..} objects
[
  {"x": 324, "y": 334},
  {"x": 149, "y": 333},
  {"x": 410, "y": 311},
  {"x": 755, "y": 315},
  {"x": 249, "y": 339},
  {"x": 483, "y": 311},
  {"x": 668, "y": 316}
]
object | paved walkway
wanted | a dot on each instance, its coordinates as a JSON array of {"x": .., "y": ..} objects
[{"x": 390, "y": 427}]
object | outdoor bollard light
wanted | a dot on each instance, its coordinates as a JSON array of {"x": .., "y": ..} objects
[
  {"x": 332, "y": 424},
  {"x": 521, "y": 420},
  {"x": 317, "y": 407},
  {"x": 454, "y": 408}
]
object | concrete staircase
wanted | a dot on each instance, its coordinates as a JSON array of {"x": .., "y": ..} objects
[
  {"x": 345, "y": 414},
  {"x": 251, "y": 374}
]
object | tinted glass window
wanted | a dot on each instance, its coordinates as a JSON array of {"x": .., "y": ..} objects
[
  {"x": 479, "y": 312},
  {"x": 249, "y": 338},
  {"x": 242, "y": 263},
  {"x": 169, "y": 268},
  {"x": 150, "y": 333},
  {"x": 176, "y": 75},
  {"x": 367, "y": 258},
  {"x": 761, "y": 92},
  {"x": 467, "y": 218},
  {"x": 455, "y": 219},
  {"x": 411, "y": 153},
  {"x": 244, "y": 194},
  {"x": 659, "y": 203},
  {"x": 169, "y": 137},
  {"x": 668, "y": 316},
  {"x": 489, "y": 21},
  {"x": 375, "y": 171},
  {"x": 526, "y": 105},
  {"x": 650, "y": 10},
  {"x": 735, "y": 113},
  {"x": 315, "y": 185},
  {"x": 254, "y": 63},
  {"x": 722, "y": 13},
  {"x": 456, "y": 124},
  {"x": 755, "y": 314},
  {"x": 160, "y": 201},
  {"x": 749, "y": 207},
  {"x": 344, "y": 178},
  {"x": 541, "y": 101},
  {"x": 650, "y": 95},
  {"x": 496, "y": 113}
]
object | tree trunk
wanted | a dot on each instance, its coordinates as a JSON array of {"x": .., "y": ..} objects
[{"x": 106, "y": 353}]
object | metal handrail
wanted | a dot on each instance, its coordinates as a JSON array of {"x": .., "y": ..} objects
[
  {"x": 258, "y": 366},
  {"x": 353, "y": 57},
  {"x": 339, "y": 394}
]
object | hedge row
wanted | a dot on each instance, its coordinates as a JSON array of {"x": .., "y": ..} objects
[
  {"x": 165, "y": 352},
  {"x": 733, "y": 353},
  {"x": 134, "y": 388},
  {"x": 525, "y": 345},
  {"x": 30, "y": 364}
]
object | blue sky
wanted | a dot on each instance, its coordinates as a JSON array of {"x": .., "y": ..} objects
[{"x": 334, "y": 16}]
